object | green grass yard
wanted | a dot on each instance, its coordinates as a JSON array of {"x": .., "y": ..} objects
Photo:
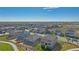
[
  {"x": 38, "y": 47},
  {"x": 5, "y": 47},
  {"x": 62, "y": 39}
]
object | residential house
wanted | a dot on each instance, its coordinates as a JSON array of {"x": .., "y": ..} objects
[{"x": 49, "y": 41}]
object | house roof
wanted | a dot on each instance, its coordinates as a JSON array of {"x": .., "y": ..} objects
[
  {"x": 28, "y": 37},
  {"x": 49, "y": 38},
  {"x": 32, "y": 38}
]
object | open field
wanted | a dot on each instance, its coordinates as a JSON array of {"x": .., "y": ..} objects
[{"x": 5, "y": 47}]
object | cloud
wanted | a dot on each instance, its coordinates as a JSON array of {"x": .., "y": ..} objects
[{"x": 49, "y": 8}]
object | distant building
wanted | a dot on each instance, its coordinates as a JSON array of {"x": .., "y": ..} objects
[
  {"x": 70, "y": 33},
  {"x": 59, "y": 33},
  {"x": 41, "y": 30},
  {"x": 74, "y": 40},
  {"x": 14, "y": 33},
  {"x": 2, "y": 32}
]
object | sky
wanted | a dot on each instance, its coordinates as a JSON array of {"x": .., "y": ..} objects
[{"x": 54, "y": 14}]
